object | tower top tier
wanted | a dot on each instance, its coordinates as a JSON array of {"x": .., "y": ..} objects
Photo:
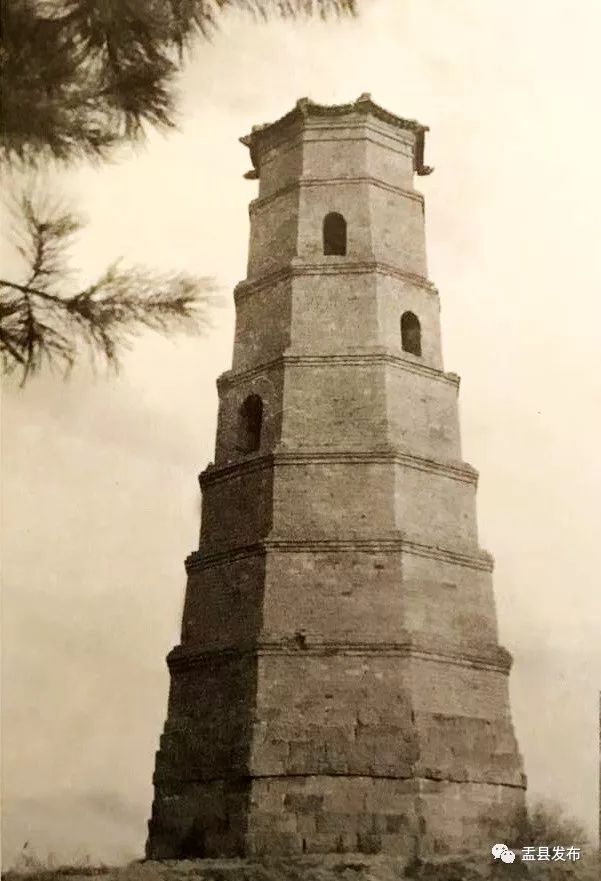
[{"x": 309, "y": 116}]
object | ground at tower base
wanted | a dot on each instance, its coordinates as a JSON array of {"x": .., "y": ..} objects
[{"x": 329, "y": 867}]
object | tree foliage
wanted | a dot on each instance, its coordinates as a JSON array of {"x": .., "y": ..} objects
[
  {"x": 43, "y": 320},
  {"x": 548, "y": 824},
  {"x": 78, "y": 77}
]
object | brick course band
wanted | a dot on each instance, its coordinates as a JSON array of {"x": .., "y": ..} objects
[
  {"x": 189, "y": 657},
  {"x": 215, "y": 474},
  {"x": 306, "y": 182},
  {"x": 199, "y": 560},
  {"x": 299, "y": 268},
  {"x": 399, "y": 362}
]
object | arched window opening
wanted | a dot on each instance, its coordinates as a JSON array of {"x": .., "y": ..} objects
[
  {"x": 411, "y": 334},
  {"x": 334, "y": 234},
  {"x": 250, "y": 422}
]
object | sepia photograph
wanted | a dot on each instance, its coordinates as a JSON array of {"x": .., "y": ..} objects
[{"x": 300, "y": 309}]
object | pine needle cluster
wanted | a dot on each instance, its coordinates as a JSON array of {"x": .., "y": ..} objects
[
  {"x": 80, "y": 76},
  {"x": 43, "y": 320}
]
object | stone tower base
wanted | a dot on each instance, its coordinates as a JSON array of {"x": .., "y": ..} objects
[
  {"x": 341, "y": 815},
  {"x": 327, "y": 748}
]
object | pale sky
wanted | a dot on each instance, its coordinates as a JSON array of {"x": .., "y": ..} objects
[{"x": 100, "y": 493}]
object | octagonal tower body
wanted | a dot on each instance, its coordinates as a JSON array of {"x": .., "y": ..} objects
[{"x": 339, "y": 684}]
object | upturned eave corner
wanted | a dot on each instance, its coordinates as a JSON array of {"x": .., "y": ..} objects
[{"x": 420, "y": 144}]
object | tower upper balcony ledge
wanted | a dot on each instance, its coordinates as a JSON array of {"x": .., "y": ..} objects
[{"x": 264, "y": 137}]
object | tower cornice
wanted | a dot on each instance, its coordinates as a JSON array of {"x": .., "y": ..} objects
[
  {"x": 358, "y": 359},
  {"x": 305, "y": 109},
  {"x": 410, "y": 645},
  {"x": 297, "y": 268},
  {"x": 481, "y": 560},
  {"x": 307, "y": 182},
  {"x": 460, "y": 471}
]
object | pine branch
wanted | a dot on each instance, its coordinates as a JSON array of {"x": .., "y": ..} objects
[
  {"x": 78, "y": 77},
  {"x": 41, "y": 323}
]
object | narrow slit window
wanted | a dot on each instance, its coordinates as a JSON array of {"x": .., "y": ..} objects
[
  {"x": 250, "y": 423},
  {"x": 411, "y": 334},
  {"x": 334, "y": 234}
]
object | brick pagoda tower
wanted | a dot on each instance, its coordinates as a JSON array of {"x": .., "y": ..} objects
[{"x": 339, "y": 683}]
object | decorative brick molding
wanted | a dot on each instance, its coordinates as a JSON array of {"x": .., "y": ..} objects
[
  {"x": 410, "y": 364},
  {"x": 281, "y": 457},
  {"x": 273, "y": 135},
  {"x": 330, "y": 266},
  {"x": 480, "y": 560},
  {"x": 496, "y": 658},
  {"x": 308, "y": 182}
]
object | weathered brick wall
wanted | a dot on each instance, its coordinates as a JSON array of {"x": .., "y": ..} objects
[
  {"x": 269, "y": 386},
  {"x": 360, "y": 401},
  {"x": 224, "y": 602},
  {"x": 335, "y": 594},
  {"x": 422, "y": 414},
  {"x": 263, "y": 317},
  {"x": 325, "y": 157},
  {"x": 378, "y": 815},
  {"x": 334, "y": 814},
  {"x": 369, "y": 403},
  {"x": 322, "y": 323},
  {"x": 314, "y": 498},
  {"x": 199, "y": 819},
  {"x": 397, "y": 228},
  {"x": 395, "y": 296},
  {"x": 389, "y": 156},
  {"x": 369, "y": 595},
  {"x": 454, "y": 689},
  {"x": 458, "y": 816},
  {"x": 201, "y": 787},
  {"x": 211, "y": 708},
  {"x": 434, "y": 507},
  {"x": 352, "y": 414},
  {"x": 361, "y": 147},
  {"x": 449, "y": 601},
  {"x": 281, "y": 165},
  {"x": 342, "y": 713},
  {"x": 274, "y": 232},
  {"x": 236, "y": 506},
  {"x": 467, "y": 749},
  {"x": 351, "y": 199}
]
